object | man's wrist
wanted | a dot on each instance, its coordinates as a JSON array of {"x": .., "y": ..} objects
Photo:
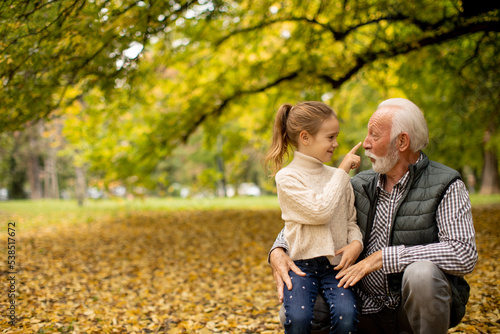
[
  {"x": 271, "y": 252},
  {"x": 375, "y": 261},
  {"x": 390, "y": 259},
  {"x": 277, "y": 248}
]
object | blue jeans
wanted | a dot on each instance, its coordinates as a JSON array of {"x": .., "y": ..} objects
[{"x": 299, "y": 302}]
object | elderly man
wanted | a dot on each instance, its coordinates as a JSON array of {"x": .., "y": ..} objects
[{"x": 415, "y": 215}]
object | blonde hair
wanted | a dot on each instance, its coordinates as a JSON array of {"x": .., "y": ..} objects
[{"x": 289, "y": 123}]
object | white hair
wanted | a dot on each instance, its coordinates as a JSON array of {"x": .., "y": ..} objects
[{"x": 408, "y": 118}]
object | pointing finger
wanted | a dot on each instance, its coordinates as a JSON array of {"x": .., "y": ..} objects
[{"x": 355, "y": 148}]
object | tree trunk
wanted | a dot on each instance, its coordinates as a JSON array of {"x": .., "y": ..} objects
[
  {"x": 219, "y": 160},
  {"x": 18, "y": 173},
  {"x": 33, "y": 162},
  {"x": 51, "y": 183},
  {"x": 222, "y": 181},
  {"x": 489, "y": 184},
  {"x": 52, "y": 146},
  {"x": 46, "y": 173},
  {"x": 80, "y": 185}
]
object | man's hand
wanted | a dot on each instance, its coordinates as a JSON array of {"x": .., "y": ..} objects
[
  {"x": 349, "y": 254},
  {"x": 350, "y": 276},
  {"x": 282, "y": 264}
]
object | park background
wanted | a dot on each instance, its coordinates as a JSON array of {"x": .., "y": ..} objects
[{"x": 132, "y": 135}]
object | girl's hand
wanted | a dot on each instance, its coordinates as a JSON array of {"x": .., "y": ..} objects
[
  {"x": 349, "y": 254},
  {"x": 352, "y": 275},
  {"x": 351, "y": 160}
]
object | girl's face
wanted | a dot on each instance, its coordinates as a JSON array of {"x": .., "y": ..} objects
[{"x": 323, "y": 144}]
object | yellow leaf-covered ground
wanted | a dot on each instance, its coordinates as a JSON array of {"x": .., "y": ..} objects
[{"x": 182, "y": 272}]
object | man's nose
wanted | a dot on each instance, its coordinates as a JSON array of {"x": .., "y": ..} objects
[{"x": 366, "y": 144}]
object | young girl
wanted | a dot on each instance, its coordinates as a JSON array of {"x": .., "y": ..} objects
[{"x": 317, "y": 204}]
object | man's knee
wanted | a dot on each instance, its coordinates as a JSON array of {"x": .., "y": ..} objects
[
  {"x": 426, "y": 297},
  {"x": 282, "y": 315},
  {"x": 424, "y": 280}
]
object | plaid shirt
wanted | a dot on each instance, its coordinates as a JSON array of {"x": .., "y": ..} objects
[{"x": 455, "y": 253}]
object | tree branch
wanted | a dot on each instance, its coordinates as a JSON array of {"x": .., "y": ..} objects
[
  {"x": 67, "y": 10},
  {"x": 340, "y": 34},
  {"x": 359, "y": 63},
  {"x": 220, "y": 108},
  {"x": 401, "y": 49},
  {"x": 264, "y": 24}
]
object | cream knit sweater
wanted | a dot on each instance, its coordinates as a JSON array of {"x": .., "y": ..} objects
[{"x": 317, "y": 204}]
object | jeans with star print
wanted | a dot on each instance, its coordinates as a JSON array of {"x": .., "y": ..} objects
[{"x": 299, "y": 302}]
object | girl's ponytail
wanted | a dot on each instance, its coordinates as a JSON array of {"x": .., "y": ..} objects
[{"x": 279, "y": 146}]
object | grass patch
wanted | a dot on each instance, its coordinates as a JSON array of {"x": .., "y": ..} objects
[
  {"x": 52, "y": 213},
  {"x": 154, "y": 204},
  {"x": 477, "y": 200}
]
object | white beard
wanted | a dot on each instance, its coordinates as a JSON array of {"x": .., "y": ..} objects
[{"x": 382, "y": 165}]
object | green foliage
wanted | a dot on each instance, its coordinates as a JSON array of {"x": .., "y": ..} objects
[
  {"x": 222, "y": 51},
  {"x": 6, "y": 147},
  {"x": 50, "y": 47},
  {"x": 457, "y": 85}
]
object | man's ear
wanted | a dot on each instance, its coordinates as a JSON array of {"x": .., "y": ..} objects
[
  {"x": 304, "y": 137},
  {"x": 403, "y": 141}
]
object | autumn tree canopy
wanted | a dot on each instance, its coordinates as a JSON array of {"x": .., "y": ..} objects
[
  {"x": 248, "y": 47},
  {"x": 134, "y": 80}
]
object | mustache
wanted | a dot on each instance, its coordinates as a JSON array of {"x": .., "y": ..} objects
[{"x": 370, "y": 155}]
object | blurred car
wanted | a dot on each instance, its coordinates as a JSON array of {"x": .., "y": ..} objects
[{"x": 249, "y": 189}]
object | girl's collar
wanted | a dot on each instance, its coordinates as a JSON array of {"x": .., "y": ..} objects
[{"x": 304, "y": 161}]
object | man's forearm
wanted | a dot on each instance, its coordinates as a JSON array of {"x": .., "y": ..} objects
[
  {"x": 451, "y": 257},
  {"x": 456, "y": 252}
]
